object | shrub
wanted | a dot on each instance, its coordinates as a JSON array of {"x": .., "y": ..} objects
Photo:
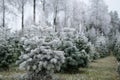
[
  {"x": 73, "y": 57},
  {"x": 9, "y": 52},
  {"x": 103, "y": 50},
  {"x": 116, "y": 51},
  {"x": 6, "y": 56},
  {"x": 16, "y": 47},
  {"x": 83, "y": 44},
  {"x": 40, "y": 61},
  {"x": 102, "y": 46},
  {"x": 93, "y": 54}
]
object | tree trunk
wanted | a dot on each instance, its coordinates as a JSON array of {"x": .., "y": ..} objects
[
  {"x": 3, "y": 13},
  {"x": 22, "y": 18},
  {"x": 34, "y": 11},
  {"x": 55, "y": 18},
  {"x": 43, "y": 5}
]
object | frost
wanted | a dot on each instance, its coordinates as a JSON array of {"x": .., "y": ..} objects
[
  {"x": 41, "y": 58},
  {"x": 54, "y": 61},
  {"x": 25, "y": 56}
]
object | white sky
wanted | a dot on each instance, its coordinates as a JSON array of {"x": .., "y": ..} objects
[{"x": 113, "y": 5}]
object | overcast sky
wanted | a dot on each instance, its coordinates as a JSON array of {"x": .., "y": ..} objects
[{"x": 113, "y": 5}]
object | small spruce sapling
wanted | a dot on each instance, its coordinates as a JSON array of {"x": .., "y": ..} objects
[{"x": 40, "y": 61}]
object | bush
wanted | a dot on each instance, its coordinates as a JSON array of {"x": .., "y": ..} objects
[
  {"x": 40, "y": 61},
  {"x": 9, "y": 52},
  {"x": 93, "y": 54},
  {"x": 83, "y": 44},
  {"x": 103, "y": 50},
  {"x": 16, "y": 47},
  {"x": 73, "y": 57},
  {"x": 6, "y": 56},
  {"x": 102, "y": 46},
  {"x": 116, "y": 51}
]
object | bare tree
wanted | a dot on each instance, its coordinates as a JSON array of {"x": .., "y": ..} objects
[
  {"x": 3, "y": 6},
  {"x": 34, "y": 11},
  {"x": 20, "y": 6}
]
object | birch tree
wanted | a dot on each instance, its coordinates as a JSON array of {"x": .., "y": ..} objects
[
  {"x": 20, "y": 6},
  {"x": 99, "y": 16}
]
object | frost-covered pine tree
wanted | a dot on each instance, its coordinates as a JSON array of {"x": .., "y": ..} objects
[
  {"x": 39, "y": 60},
  {"x": 102, "y": 46},
  {"x": 75, "y": 50},
  {"x": 114, "y": 31},
  {"x": 116, "y": 51},
  {"x": 6, "y": 54}
]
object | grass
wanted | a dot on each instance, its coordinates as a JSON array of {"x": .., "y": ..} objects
[
  {"x": 102, "y": 69},
  {"x": 11, "y": 71}
]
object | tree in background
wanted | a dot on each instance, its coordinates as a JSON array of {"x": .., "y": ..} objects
[
  {"x": 20, "y": 6},
  {"x": 79, "y": 16},
  {"x": 34, "y": 10},
  {"x": 99, "y": 17},
  {"x": 3, "y": 13},
  {"x": 114, "y": 32}
]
